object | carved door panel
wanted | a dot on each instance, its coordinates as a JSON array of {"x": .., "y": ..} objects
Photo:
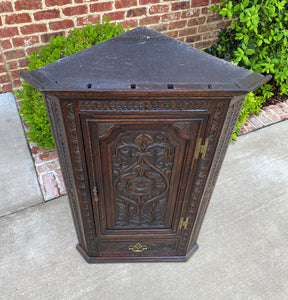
[{"x": 136, "y": 170}]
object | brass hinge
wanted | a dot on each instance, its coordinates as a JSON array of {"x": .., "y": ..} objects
[
  {"x": 201, "y": 148},
  {"x": 183, "y": 224}
]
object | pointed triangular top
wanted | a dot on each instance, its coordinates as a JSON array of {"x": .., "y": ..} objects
[{"x": 143, "y": 59}]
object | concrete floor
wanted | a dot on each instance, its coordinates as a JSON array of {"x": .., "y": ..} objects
[
  {"x": 243, "y": 241},
  {"x": 19, "y": 186}
]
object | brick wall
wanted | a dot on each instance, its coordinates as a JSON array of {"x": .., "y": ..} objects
[{"x": 25, "y": 25}]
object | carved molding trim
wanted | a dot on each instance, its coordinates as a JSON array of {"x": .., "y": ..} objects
[
  {"x": 186, "y": 128},
  {"x": 58, "y": 131},
  {"x": 104, "y": 128},
  {"x": 80, "y": 178},
  {"x": 203, "y": 169},
  {"x": 133, "y": 105}
]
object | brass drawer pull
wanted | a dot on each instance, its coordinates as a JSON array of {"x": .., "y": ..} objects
[{"x": 138, "y": 247}]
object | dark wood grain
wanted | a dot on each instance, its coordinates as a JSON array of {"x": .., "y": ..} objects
[{"x": 141, "y": 124}]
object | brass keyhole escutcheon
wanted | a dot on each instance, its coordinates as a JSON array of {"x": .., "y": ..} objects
[
  {"x": 138, "y": 248},
  {"x": 95, "y": 194}
]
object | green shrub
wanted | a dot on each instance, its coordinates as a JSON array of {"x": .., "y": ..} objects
[
  {"x": 32, "y": 104},
  {"x": 256, "y": 40}
]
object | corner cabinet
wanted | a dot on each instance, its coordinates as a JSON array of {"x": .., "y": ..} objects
[
  {"x": 140, "y": 173},
  {"x": 141, "y": 123}
]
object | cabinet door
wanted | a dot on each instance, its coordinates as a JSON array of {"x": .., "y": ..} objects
[{"x": 139, "y": 172}]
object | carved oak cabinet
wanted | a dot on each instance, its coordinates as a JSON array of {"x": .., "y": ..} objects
[{"x": 141, "y": 124}]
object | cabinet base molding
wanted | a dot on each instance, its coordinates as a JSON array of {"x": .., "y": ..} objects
[{"x": 119, "y": 259}]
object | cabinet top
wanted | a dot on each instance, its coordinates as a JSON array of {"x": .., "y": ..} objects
[{"x": 143, "y": 60}]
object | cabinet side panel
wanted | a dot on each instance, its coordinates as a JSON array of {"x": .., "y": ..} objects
[
  {"x": 78, "y": 166},
  {"x": 212, "y": 133},
  {"x": 222, "y": 146},
  {"x": 60, "y": 138}
]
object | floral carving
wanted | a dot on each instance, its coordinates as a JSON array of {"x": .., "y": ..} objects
[
  {"x": 142, "y": 165},
  {"x": 133, "y": 105}
]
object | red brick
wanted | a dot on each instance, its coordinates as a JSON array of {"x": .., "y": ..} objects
[
  {"x": 15, "y": 73},
  {"x": 4, "y": 78},
  {"x": 50, "y": 189},
  {"x": 206, "y": 28},
  {"x": 149, "y": 20},
  {"x": 255, "y": 122},
  {"x": 17, "y": 18},
  {"x": 197, "y": 3},
  {"x": 193, "y": 39},
  {"x": 177, "y": 24},
  {"x": 28, "y": 4},
  {"x": 159, "y": 27},
  {"x": 171, "y": 17},
  {"x": 35, "y": 150},
  {"x": 88, "y": 19},
  {"x": 1, "y": 21},
  {"x": 85, "y": 1},
  {"x": 12, "y": 65},
  {"x": 191, "y": 13},
  {"x": 158, "y": 9},
  {"x": 204, "y": 44},
  {"x": 28, "y": 29},
  {"x": 61, "y": 24},
  {"x": 46, "y": 37},
  {"x": 283, "y": 107},
  {"x": 8, "y": 32},
  {"x": 250, "y": 127},
  {"x": 144, "y": 2},
  {"x": 60, "y": 183},
  {"x": 26, "y": 41},
  {"x": 187, "y": 31},
  {"x": 57, "y": 2},
  {"x": 180, "y": 5},
  {"x": 210, "y": 35},
  {"x": 48, "y": 167},
  {"x": 206, "y": 11},
  {"x": 103, "y": 6},
  {"x": 114, "y": 16},
  {"x": 278, "y": 112},
  {"x": 214, "y": 18},
  {"x": 6, "y": 6},
  {"x": 173, "y": 34},
  {"x": 225, "y": 23},
  {"x": 31, "y": 50},
  {"x": 74, "y": 11},
  {"x": 45, "y": 157},
  {"x": 130, "y": 23},
  {"x": 13, "y": 54},
  {"x": 6, "y": 44},
  {"x": 2, "y": 69},
  {"x": 136, "y": 12},
  {"x": 243, "y": 129},
  {"x": 125, "y": 3},
  {"x": 47, "y": 14},
  {"x": 197, "y": 21},
  {"x": 23, "y": 63},
  {"x": 6, "y": 88},
  {"x": 17, "y": 82}
]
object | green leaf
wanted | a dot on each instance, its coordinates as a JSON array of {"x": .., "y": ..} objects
[
  {"x": 245, "y": 3},
  {"x": 250, "y": 51}
]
